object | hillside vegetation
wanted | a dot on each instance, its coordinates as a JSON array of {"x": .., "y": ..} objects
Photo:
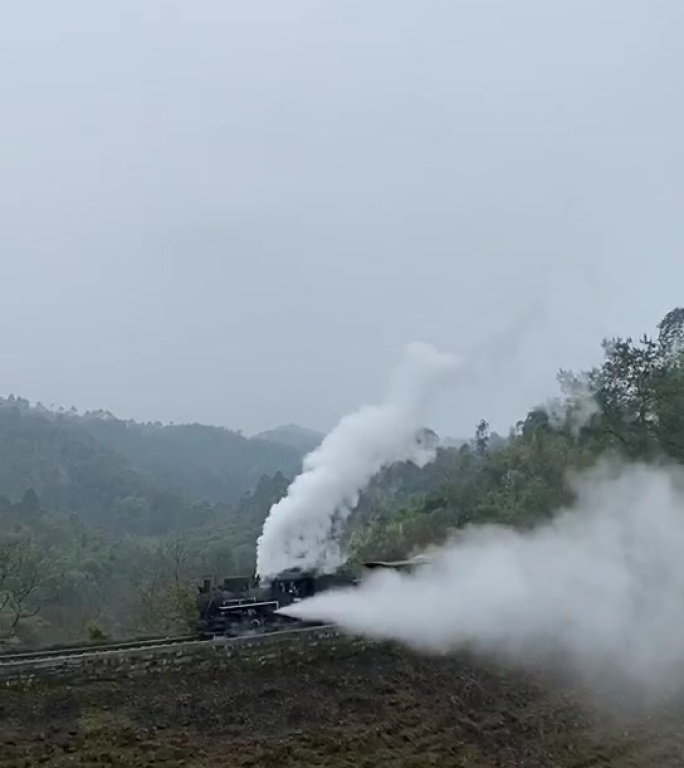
[
  {"x": 201, "y": 462},
  {"x": 101, "y": 519},
  {"x": 127, "y": 477},
  {"x": 631, "y": 406},
  {"x": 302, "y": 440},
  {"x": 109, "y": 525}
]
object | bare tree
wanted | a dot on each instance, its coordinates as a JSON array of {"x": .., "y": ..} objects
[
  {"x": 164, "y": 584},
  {"x": 29, "y": 581},
  {"x": 80, "y": 609}
]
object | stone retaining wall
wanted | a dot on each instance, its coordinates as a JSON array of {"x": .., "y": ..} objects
[{"x": 288, "y": 648}]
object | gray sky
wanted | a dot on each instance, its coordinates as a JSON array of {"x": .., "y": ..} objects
[{"x": 239, "y": 212}]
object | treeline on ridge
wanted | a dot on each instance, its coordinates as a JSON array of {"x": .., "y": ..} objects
[{"x": 126, "y": 477}]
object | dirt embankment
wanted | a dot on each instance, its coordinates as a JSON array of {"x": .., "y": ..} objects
[{"x": 378, "y": 706}]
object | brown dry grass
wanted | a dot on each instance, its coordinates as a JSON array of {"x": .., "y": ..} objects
[{"x": 378, "y": 707}]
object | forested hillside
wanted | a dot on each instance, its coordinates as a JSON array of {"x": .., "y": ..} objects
[
  {"x": 631, "y": 406},
  {"x": 201, "y": 462},
  {"x": 99, "y": 516},
  {"x": 128, "y": 477},
  {"x": 111, "y": 538}
]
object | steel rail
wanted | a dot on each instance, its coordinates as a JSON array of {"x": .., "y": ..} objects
[{"x": 37, "y": 658}]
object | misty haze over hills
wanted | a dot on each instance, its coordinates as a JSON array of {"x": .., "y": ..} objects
[
  {"x": 150, "y": 478},
  {"x": 118, "y": 473}
]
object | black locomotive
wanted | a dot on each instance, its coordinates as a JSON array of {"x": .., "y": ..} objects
[{"x": 241, "y": 606}]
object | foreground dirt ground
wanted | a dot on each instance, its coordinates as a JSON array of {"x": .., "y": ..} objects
[{"x": 377, "y": 707}]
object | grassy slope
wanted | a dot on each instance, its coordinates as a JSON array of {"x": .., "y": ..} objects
[{"x": 378, "y": 707}]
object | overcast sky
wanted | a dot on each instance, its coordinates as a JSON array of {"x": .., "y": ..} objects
[{"x": 239, "y": 212}]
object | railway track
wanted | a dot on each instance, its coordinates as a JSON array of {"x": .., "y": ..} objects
[
  {"x": 46, "y": 658},
  {"x": 82, "y": 650}
]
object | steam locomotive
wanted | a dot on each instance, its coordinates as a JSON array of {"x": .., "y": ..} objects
[{"x": 242, "y": 607}]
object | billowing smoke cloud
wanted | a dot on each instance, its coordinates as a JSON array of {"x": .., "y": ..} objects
[
  {"x": 601, "y": 587},
  {"x": 301, "y": 529}
]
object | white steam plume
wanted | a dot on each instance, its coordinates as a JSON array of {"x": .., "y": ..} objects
[
  {"x": 301, "y": 528},
  {"x": 600, "y": 587}
]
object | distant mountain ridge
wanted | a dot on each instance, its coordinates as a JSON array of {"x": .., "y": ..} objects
[
  {"x": 292, "y": 435},
  {"x": 213, "y": 464},
  {"x": 127, "y": 476}
]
